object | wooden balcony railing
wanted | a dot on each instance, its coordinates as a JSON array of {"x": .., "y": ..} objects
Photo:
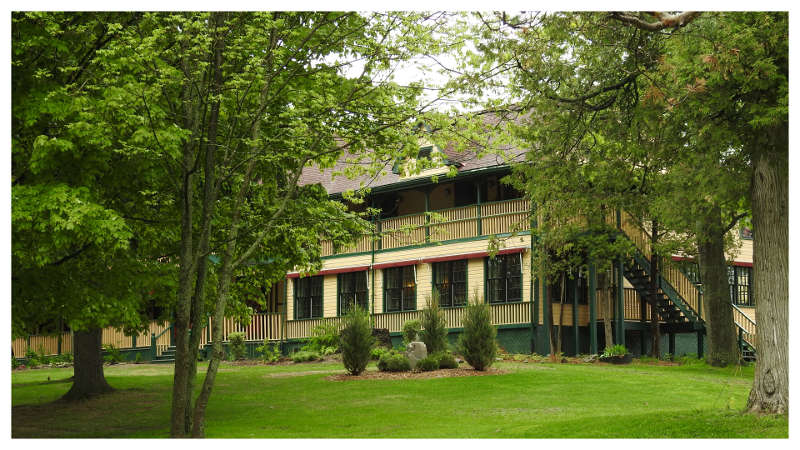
[{"x": 441, "y": 225}]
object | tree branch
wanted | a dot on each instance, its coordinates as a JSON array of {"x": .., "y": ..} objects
[{"x": 663, "y": 20}]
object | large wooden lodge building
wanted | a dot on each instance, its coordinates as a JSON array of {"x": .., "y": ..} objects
[{"x": 413, "y": 256}]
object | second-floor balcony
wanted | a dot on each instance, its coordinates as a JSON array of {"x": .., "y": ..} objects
[{"x": 471, "y": 221}]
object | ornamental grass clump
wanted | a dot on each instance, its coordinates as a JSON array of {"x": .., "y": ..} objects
[
  {"x": 356, "y": 340},
  {"x": 477, "y": 342},
  {"x": 434, "y": 333}
]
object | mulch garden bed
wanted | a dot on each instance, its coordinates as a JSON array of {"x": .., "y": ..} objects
[{"x": 441, "y": 373}]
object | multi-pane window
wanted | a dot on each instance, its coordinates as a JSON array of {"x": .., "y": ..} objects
[
  {"x": 399, "y": 289},
  {"x": 740, "y": 281},
  {"x": 308, "y": 297},
  {"x": 450, "y": 282},
  {"x": 504, "y": 278},
  {"x": 352, "y": 290}
]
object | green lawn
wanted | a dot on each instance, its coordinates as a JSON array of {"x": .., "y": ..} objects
[{"x": 531, "y": 400}]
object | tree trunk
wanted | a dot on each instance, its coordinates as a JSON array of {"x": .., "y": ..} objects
[
  {"x": 552, "y": 331},
  {"x": 717, "y": 311},
  {"x": 562, "y": 299},
  {"x": 89, "y": 379},
  {"x": 770, "y": 195},
  {"x": 655, "y": 274},
  {"x": 608, "y": 311}
]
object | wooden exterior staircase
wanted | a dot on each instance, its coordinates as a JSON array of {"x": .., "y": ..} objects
[{"x": 678, "y": 299}]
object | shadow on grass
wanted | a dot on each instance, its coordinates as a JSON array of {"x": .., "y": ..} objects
[
  {"x": 123, "y": 413},
  {"x": 42, "y": 383}
]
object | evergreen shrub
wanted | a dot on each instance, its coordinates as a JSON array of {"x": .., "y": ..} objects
[
  {"x": 477, "y": 342},
  {"x": 238, "y": 349},
  {"x": 392, "y": 361},
  {"x": 428, "y": 363},
  {"x": 446, "y": 360},
  {"x": 434, "y": 333},
  {"x": 356, "y": 340}
]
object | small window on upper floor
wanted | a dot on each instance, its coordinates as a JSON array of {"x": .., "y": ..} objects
[{"x": 746, "y": 233}]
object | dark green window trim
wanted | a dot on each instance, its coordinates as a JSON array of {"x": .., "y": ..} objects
[
  {"x": 399, "y": 289},
  {"x": 503, "y": 279},
  {"x": 740, "y": 280},
  {"x": 450, "y": 282},
  {"x": 309, "y": 290},
  {"x": 351, "y": 287}
]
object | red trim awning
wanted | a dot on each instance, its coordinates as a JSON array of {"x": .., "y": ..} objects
[
  {"x": 411, "y": 262},
  {"x": 386, "y": 265},
  {"x": 330, "y": 271},
  {"x": 472, "y": 255}
]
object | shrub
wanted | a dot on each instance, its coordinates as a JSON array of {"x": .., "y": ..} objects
[
  {"x": 269, "y": 351},
  {"x": 113, "y": 355},
  {"x": 356, "y": 340},
  {"x": 616, "y": 350},
  {"x": 14, "y": 362},
  {"x": 305, "y": 355},
  {"x": 238, "y": 349},
  {"x": 477, "y": 342},
  {"x": 323, "y": 335},
  {"x": 446, "y": 360},
  {"x": 411, "y": 331},
  {"x": 376, "y": 353},
  {"x": 31, "y": 358},
  {"x": 428, "y": 363},
  {"x": 434, "y": 333},
  {"x": 392, "y": 361},
  {"x": 138, "y": 359}
]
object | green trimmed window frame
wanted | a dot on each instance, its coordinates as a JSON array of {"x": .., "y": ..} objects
[
  {"x": 351, "y": 289},
  {"x": 503, "y": 278},
  {"x": 740, "y": 280},
  {"x": 399, "y": 289},
  {"x": 450, "y": 282},
  {"x": 308, "y": 297}
]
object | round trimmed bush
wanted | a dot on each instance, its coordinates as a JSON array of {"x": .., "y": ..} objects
[
  {"x": 394, "y": 362},
  {"x": 428, "y": 363},
  {"x": 446, "y": 360},
  {"x": 411, "y": 330}
]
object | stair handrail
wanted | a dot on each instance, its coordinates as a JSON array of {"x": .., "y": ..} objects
[
  {"x": 154, "y": 339},
  {"x": 625, "y": 217}
]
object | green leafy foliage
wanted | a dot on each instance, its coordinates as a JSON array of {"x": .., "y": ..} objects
[
  {"x": 615, "y": 350},
  {"x": 376, "y": 353},
  {"x": 478, "y": 341},
  {"x": 434, "y": 333},
  {"x": 428, "y": 363},
  {"x": 324, "y": 335},
  {"x": 393, "y": 361},
  {"x": 237, "y": 345},
  {"x": 446, "y": 360},
  {"x": 411, "y": 330},
  {"x": 356, "y": 340},
  {"x": 112, "y": 355},
  {"x": 270, "y": 351},
  {"x": 305, "y": 356}
]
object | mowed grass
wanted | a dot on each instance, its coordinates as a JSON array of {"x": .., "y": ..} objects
[{"x": 529, "y": 401}]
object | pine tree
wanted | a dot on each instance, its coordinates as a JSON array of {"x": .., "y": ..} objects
[
  {"x": 477, "y": 342},
  {"x": 356, "y": 340}
]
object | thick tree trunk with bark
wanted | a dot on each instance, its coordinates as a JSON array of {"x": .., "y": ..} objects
[
  {"x": 717, "y": 311},
  {"x": 770, "y": 195},
  {"x": 89, "y": 379}
]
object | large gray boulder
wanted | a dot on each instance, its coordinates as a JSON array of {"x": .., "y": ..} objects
[{"x": 416, "y": 351}]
